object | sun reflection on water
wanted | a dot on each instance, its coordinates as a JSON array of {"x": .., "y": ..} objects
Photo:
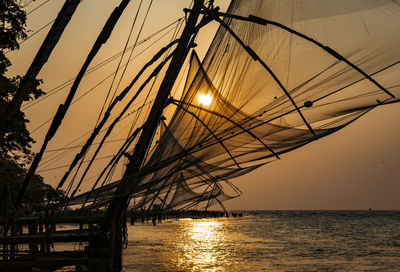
[
  {"x": 201, "y": 245},
  {"x": 204, "y": 231}
]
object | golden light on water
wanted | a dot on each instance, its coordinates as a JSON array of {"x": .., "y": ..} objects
[
  {"x": 205, "y": 99},
  {"x": 204, "y": 231},
  {"x": 201, "y": 249},
  {"x": 207, "y": 245}
]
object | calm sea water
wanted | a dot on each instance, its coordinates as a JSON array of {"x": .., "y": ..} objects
[{"x": 269, "y": 241}]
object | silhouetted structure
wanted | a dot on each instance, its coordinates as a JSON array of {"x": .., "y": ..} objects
[{"x": 274, "y": 81}]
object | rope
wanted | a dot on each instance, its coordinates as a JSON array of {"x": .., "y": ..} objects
[
  {"x": 33, "y": 10},
  {"x": 137, "y": 38},
  {"x": 119, "y": 63},
  {"x": 101, "y": 64}
]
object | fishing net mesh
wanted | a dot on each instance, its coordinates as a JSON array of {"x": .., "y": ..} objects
[{"x": 235, "y": 115}]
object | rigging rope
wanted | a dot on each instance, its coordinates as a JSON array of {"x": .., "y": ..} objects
[
  {"x": 33, "y": 34},
  {"x": 116, "y": 100},
  {"x": 54, "y": 157},
  {"x": 39, "y": 6},
  {"x": 102, "y": 38},
  {"x": 101, "y": 64},
  {"x": 66, "y": 165},
  {"x": 119, "y": 63},
  {"x": 130, "y": 55}
]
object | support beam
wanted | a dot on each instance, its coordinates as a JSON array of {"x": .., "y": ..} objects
[
  {"x": 113, "y": 161},
  {"x": 118, "y": 118},
  {"x": 107, "y": 114},
  {"x": 119, "y": 204},
  {"x": 62, "y": 109},
  {"x": 255, "y": 56},
  {"x": 233, "y": 122},
  {"x": 334, "y": 53},
  {"x": 209, "y": 130},
  {"x": 49, "y": 43}
]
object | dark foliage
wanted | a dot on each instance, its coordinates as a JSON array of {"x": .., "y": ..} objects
[
  {"x": 16, "y": 143},
  {"x": 15, "y": 146},
  {"x": 37, "y": 195}
]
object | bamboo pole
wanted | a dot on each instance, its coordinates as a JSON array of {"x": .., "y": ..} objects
[
  {"x": 121, "y": 197},
  {"x": 62, "y": 109},
  {"x": 45, "y": 50}
]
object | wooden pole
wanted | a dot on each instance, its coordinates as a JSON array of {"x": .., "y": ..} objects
[
  {"x": 49, "y": 43},
  {"x": 13, "y": 233},
  {"x": 121, "y": 197},
  {"x": 62, "y": 109},
  {"x": 113, "y": 219},
  {"x": 42, "y": 244},
  {"x": 32, "y": 229}
]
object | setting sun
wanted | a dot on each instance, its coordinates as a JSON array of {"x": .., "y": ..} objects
[{"x": 205, "y": 99}]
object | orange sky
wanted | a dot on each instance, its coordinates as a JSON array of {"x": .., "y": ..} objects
[{"x": 355, "y": 168}]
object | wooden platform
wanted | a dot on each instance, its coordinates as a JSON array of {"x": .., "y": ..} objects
[{"x": 32, "y": 243}]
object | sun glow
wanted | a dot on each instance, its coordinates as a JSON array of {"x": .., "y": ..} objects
[{"x": 205, "y": 99}]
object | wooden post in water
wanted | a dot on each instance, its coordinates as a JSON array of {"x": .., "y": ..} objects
[
  {"x": 116, "y": 245},
  {"x": 42, "y": 244},
  {"x": 47, "y": 233},
  {"x": 119, "y": 203},
  {"x": 113, "y": 218},
  {"x": 5, "y": 245},
  {"x": 32, "y": 230},
  {"x": 13, "y": 233}
]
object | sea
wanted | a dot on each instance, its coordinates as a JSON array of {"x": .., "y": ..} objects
[{"x": 268, "y": 241}]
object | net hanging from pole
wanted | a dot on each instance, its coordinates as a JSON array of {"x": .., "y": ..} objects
[{"x": 234, "y": 117}]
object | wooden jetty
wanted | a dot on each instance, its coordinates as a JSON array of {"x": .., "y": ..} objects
[
  {"x": 38, "y": 243},
  {"x": 33, "y": 244}
]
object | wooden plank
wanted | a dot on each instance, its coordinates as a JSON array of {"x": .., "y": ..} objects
[
  {"x": 59, "y": 220},
  {"x": 52, "y": 238},
  {"x": 46, "y": 262}
]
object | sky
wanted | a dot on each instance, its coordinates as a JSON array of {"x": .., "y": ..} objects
[{"x": 355, "y": 168}]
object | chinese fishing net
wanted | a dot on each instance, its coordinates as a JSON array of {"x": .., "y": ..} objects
[{"x": 311, "y": 69}]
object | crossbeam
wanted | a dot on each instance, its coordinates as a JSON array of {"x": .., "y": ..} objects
[
  {"x": 329, "y": 50},
  {"x": 255, "y": 56},
  {"x": 119, "y": 204},
  {"x": 235, "y": 123},
  {"x": 209, "y": 130}
]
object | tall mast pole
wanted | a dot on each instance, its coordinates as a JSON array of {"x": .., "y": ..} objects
[
  {"x": 51, "y": 40},
  {"x": 63, "y": 108},
  {"x": 121, "y": 197}
]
